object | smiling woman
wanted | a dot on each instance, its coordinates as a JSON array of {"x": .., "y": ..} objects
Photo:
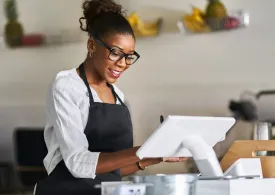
[
  {"x": 110, "y": 46},
  {"x": 89, "y": 133}
]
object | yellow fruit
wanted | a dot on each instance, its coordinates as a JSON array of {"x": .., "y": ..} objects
[
  {"x": 142, "y": 28},
  {"x": 131, "y": 21},
  {"x": 198, "y": 12},
  {"x": 146, "y": 32},
  {"x": 150, "y": 25},
  {"x": 187, "y": 17},
  {"x": 133, "y": 18},
  {"x": 194, "y": 22},
  {"x": 195, "y": 26}
]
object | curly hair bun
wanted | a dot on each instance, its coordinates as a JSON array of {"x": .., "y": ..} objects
[
  {"x": 93, "y": 8},
  {"x": 107, "y": 12}
]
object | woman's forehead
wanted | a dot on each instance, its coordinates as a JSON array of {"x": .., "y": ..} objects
[{"x": 124, "y": 42}]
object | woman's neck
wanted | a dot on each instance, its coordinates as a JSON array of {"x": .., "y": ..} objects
[{"x": 94, "y": 79}]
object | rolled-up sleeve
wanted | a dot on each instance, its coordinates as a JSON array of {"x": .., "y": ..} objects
[{"x": 69, "y": 130}]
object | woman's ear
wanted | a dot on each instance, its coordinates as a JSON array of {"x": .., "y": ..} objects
[{"x": 91, "y": 45}]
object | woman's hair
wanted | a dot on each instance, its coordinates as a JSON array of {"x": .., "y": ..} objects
[{"x": 104, "y": 17}]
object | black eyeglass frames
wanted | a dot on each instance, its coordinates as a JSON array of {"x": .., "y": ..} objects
[{"x": 116, "y": 54}]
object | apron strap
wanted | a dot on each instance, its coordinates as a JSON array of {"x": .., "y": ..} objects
[
  {"x": 115, "y": 94},
  {"x": 83, "y": 76}
]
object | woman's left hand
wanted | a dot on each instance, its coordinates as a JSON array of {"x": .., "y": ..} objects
[{"x": 175, "y": 159}]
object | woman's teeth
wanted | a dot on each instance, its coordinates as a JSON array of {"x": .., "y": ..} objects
[{"x": 115, "y": 73}]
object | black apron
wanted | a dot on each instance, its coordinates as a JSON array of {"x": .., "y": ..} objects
[{"x": 109, "y": 129}]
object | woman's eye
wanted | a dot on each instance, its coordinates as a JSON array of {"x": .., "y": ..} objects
[
  {"x": 130, "y": 58},
  {"x": 116, "y": 53}
]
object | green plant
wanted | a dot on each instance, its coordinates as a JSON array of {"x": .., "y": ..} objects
[{"x": 11, "y": 10}]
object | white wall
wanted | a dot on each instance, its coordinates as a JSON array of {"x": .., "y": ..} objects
[{"x": 191, "y": 75}]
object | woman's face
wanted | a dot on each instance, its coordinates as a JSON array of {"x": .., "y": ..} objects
[{"x": 107, "y": 54}]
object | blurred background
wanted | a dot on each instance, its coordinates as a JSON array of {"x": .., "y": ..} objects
[{"x": 178, "y": 74}]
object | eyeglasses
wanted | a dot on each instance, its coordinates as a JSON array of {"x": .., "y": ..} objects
[{"x": 116, "y": 54}]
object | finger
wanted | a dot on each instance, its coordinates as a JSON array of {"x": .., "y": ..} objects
[
  {"x": 183, "y": 159},
  {"x": 165, "y": 159},
  {"x": 175, "y": 159}
]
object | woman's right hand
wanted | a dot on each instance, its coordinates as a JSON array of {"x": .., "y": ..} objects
[{"x": 108, "y": 162}]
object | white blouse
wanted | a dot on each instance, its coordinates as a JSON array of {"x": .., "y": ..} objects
[{"x": 67, "y": 115}]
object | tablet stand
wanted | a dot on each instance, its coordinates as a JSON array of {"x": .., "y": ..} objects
[{"x": 204, "y": 156}]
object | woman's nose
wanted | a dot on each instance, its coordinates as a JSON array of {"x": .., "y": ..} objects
[{"x": 121, "y": 62}]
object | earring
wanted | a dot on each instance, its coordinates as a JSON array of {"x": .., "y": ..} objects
[{"x": 91, "y": 54}]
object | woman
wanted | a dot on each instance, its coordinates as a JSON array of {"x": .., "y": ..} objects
[{"x": 89, "y": 131}]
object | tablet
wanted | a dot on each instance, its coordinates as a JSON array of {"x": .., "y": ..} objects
[{"x": 166, "y": 140}]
